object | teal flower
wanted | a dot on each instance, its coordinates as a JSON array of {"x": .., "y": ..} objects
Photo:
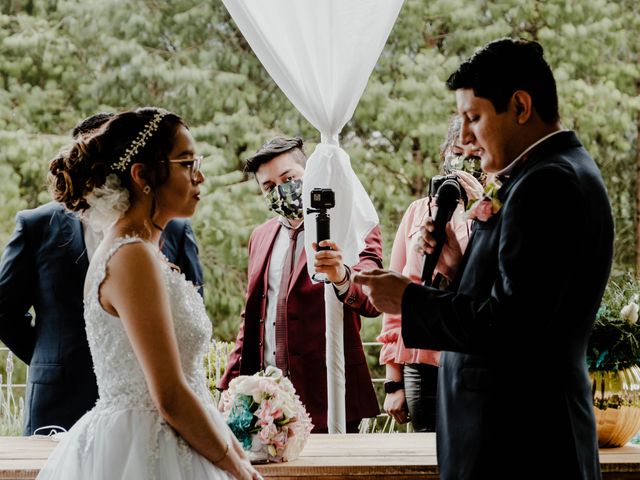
[{"x": 241, "y": 420}]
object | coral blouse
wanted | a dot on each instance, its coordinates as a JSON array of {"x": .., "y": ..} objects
[{"x": 407, "y": 261}]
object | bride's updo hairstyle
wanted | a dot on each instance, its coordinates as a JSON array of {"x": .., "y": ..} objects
[{"x": 145, "y": 135}]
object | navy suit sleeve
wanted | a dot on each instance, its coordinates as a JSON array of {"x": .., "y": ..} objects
[
  {"x": 17, "y": 284},
  {"x": 181, "y": 248},
  {"x": 541, "y": 251}
]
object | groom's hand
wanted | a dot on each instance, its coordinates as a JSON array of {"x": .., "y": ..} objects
[
  {"x": 451, "y": 253},
  {"x": 384, "y": 289}
]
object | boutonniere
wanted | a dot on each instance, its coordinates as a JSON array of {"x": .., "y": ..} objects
[{"x": 484, "y": 208}]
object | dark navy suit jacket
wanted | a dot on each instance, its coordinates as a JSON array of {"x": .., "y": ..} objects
[
  {"x": 513, "y": 391},
  {"x": 43, "y": 267}
]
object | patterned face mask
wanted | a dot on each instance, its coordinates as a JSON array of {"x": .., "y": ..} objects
[
  {"x": 286, "y": 199},
  {"x": 467, "y": 163}
]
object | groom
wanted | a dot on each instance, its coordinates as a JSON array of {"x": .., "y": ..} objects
[{"x": 514, "y": 397}]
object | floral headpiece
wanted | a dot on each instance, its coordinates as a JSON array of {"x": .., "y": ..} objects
[{"x": 139, "y": 142}]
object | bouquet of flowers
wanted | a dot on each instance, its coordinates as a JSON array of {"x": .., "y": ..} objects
[
  {"x": 266, "y": 416},
  {"x": 614, "y": 342}
]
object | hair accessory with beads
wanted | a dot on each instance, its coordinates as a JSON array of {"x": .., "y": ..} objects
[{"x": 139, "y": 142}]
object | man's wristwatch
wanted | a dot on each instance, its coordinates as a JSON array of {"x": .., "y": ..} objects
[{"x": 391, "y": 386}]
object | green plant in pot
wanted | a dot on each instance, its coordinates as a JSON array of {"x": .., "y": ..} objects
[{"x": 612, "y": 358}]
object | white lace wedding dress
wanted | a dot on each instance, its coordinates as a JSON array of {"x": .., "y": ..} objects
[{"x": 124, "y": 436}]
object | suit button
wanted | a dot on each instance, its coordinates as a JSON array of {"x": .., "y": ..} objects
[
  {"x": 260, "y": 343},
  {"x": 262, "y": 320},
  {"x": 263, "y": 295}
]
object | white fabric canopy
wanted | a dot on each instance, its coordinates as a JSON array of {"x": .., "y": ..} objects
[{"x": 321, "y": 53}]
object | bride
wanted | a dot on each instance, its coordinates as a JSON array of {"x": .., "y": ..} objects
[{"x": 146, "y": 325}]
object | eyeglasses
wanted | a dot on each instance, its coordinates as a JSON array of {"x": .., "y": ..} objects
[{"x": 195, "y": 162}]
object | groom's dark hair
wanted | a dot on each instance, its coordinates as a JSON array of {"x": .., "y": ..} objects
[{"x": 504, "y": 66}]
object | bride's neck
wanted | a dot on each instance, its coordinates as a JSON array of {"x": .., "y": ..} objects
[{"x": 133, "y": 223}]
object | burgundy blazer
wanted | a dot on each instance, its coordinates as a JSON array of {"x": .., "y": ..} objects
[{"x": 306, "y": 329}]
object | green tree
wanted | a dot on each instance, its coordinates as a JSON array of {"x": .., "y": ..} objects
[{"x": 61, "y": 60}]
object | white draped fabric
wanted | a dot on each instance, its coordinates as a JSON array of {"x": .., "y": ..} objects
[{"x": 321, "y": 54}]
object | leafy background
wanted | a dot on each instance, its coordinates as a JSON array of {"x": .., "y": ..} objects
[{"x": 62, "y": 60}]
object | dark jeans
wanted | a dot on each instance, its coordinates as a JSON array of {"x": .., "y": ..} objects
[{"x": 420, "y": 386}]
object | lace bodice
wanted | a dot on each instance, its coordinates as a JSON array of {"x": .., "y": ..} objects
[
  {"x": 121, "y": 383},
  {"x": 124, "y": 436}
]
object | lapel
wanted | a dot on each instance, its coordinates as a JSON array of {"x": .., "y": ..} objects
[
  {"x": 262, "y": 255},
  {"x": 463, "y": 264},
  {"x": 73, "y": 237},
  {"x": 539, "y": 154},
  {"x": 301, "y": 263}
]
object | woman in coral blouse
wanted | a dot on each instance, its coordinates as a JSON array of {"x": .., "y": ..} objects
[{"x": 411, "y": 374}]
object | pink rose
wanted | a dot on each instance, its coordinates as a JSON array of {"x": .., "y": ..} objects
[
  {"x": 279, "y": 440},
  {"x": 268, "y": 412},
  {"x": 488, "y": 206},
  {"x": 482, "y": 210},
  {"x": 267, "y": 433}
]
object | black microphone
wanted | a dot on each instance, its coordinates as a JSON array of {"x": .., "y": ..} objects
[{"x": 447, "y": 198}]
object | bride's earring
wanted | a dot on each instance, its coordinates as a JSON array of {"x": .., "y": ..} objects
[{"x": 146, "y": 190}]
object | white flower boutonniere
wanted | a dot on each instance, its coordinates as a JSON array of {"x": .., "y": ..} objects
[
  {"x": 630, "y": 313},
  {"x": 487, "y": 206}
]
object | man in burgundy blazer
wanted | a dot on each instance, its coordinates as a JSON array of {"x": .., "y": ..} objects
[{"x": 279, "y": 166}]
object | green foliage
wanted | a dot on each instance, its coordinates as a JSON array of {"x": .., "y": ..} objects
[
  {"x": 215, "y": 364},
  {"x": 615, "y": 340},
  {"x": 11, "y": 397},
  {"x": 62, "y": 60},
  {"x": 370, "y": 330},
  {"x": 383, "y": 423}
]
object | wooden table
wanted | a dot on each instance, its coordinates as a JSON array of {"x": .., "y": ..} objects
[{"x": 328, "y": 457}]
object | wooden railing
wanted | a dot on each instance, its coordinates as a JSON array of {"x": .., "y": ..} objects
[{"x": 12, "y": 394}]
